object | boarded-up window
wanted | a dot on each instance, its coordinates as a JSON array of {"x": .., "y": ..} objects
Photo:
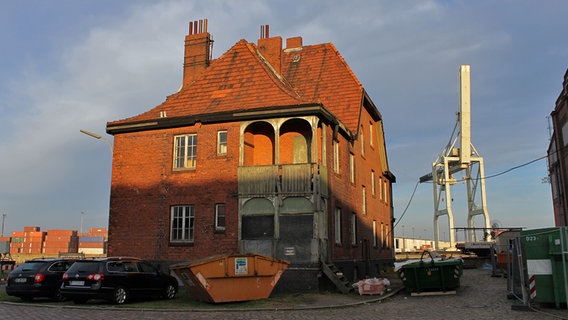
[
  {"x": 296, "y": 227},
  {"x": 257, "y": 227}
]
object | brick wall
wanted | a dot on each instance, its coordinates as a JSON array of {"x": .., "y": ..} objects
[
  {"x": 348, "y": 196},
  {"x": 145, "y": 186}
]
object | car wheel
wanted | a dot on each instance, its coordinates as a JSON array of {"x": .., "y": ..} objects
[
  {"x": 57, "y": 296},
  {"x": 120, "y": 295},
  {"x": 170, "y": 291}
]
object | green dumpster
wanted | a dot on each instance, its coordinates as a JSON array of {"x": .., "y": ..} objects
[
  {"x": 431, "y": 274},
  {"x": 546, "y": 257}
]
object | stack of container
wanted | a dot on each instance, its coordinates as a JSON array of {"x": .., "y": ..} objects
[
  {"x": 32, "y": 240},
  {"x": 28, "y": 241},
  {"x": 92, "y": 244},
  {"x": 17, "y": 242},
  {"x": 60, "y": 241},
  {"x": 98, "y": 232}
]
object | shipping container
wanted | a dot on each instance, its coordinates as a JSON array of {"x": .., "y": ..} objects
[
  {"x": 83, "y": 245},
  {"x": 91, "y": 239},
  {"x": 92, "y": 250},
  {"x": 58, "y": 244},
  {"x": 34, "y": 234},
  {"x": 62, "y": 232}
]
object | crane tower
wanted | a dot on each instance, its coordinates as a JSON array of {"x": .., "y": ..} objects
[{"x": 459, "y": 155}]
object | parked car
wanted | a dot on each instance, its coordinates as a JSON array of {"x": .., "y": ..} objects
[
  {"x": 38, "y": 278},
  {"x": 116, "y": 279}
]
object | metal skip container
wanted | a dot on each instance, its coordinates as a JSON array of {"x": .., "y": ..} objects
[
  {"x": 231, "y": 278},
  {"x": 430, "y": 274},
  {"x": 546, "y": 255}
]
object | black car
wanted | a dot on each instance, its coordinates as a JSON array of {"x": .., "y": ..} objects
[
  {"x": 117, "y": 280},
  {"x": 38, "y": 278}
]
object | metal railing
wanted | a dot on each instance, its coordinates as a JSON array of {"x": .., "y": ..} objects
[{"x": 286, "y": 179}]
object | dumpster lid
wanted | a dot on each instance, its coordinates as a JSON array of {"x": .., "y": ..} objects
[
  {"x": 225, "y": 256},
  {"x": 399, "y": 265}
]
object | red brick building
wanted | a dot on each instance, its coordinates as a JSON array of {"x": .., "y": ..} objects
[
  {"x": 270, "y": 149},
  {"x": 558, "y": 157}
]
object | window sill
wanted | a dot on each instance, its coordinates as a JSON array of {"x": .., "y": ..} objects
[
  {"x": 182, "y": 244},
  {"x": 180, "y": 170}
]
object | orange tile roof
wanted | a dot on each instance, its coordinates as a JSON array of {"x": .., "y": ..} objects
[
  {"x": 321, "y": 74},
  {"x": 241, "y": 80}
]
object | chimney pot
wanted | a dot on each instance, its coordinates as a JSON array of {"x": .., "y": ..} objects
[{"x": 197, "y": 51}]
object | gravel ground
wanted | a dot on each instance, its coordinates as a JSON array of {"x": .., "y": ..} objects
[{"x": 480, "y": 296}]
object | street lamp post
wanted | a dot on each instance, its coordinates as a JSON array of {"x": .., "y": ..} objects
[
  {"x": 3, "y": 217},
  {"x": 96, "y": 136},
  {"x": 82, "y": 216}
]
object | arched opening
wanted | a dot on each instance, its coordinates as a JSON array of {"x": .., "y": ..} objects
[
  {"x": 295, "y": 142},
  {"x": 259, "y": 144}
]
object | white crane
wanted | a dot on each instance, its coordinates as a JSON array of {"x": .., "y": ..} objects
[{"x": 455, "y": 158}]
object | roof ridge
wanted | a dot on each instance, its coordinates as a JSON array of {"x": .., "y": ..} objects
[{"x": 347, "y": 67}]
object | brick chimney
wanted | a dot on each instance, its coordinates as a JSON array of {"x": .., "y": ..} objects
[
  {"x": 270, "y": 48},
  {"x": 197, "y": 55}
]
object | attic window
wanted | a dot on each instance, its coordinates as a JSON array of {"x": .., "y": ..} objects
[{"x": 296, "y": 58}]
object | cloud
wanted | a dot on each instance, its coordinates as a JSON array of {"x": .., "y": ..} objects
[{"x": 124, "y": 59}]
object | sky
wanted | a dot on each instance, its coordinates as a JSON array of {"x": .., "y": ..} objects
[{"x": 68, "y": 65}]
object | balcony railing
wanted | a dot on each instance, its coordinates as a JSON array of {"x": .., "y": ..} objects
[{"x": 289, "y": 179}]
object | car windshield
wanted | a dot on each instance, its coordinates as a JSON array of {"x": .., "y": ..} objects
[
  {"x": 30, "y": 266},
  {"x": 84, "y": 267}
]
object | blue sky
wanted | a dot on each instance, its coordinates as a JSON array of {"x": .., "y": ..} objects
[{"x": 71, "y": 65}]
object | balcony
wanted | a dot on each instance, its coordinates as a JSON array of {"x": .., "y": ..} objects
[{"x": 283, "y": 180}]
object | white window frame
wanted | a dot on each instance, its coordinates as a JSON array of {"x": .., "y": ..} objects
[
  {"x": 185, "y": 151},
  {"x": 371, "y": 134},
  {"x": 354, "y": 229},
  {"x": 335, "y": 156},
  {"x": 564, "y": 130},
  {"x": 182, "y": 224},
  {"x": 220, "y": 215},
  {"x": 375, "y": 238},
  {"x": 222, "y": 142},
  {"x": 362, "y": 136},
  {"x": 351, "y": 167},
  {"x": 385, "y": 191},
  {"x": 373, "y": 184},
  {"x": 364, "y": 199},
  {"x": 382, "y": 235},
  {"x": 387, "y": 238},
  {"x": 338, "y": 226}
]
